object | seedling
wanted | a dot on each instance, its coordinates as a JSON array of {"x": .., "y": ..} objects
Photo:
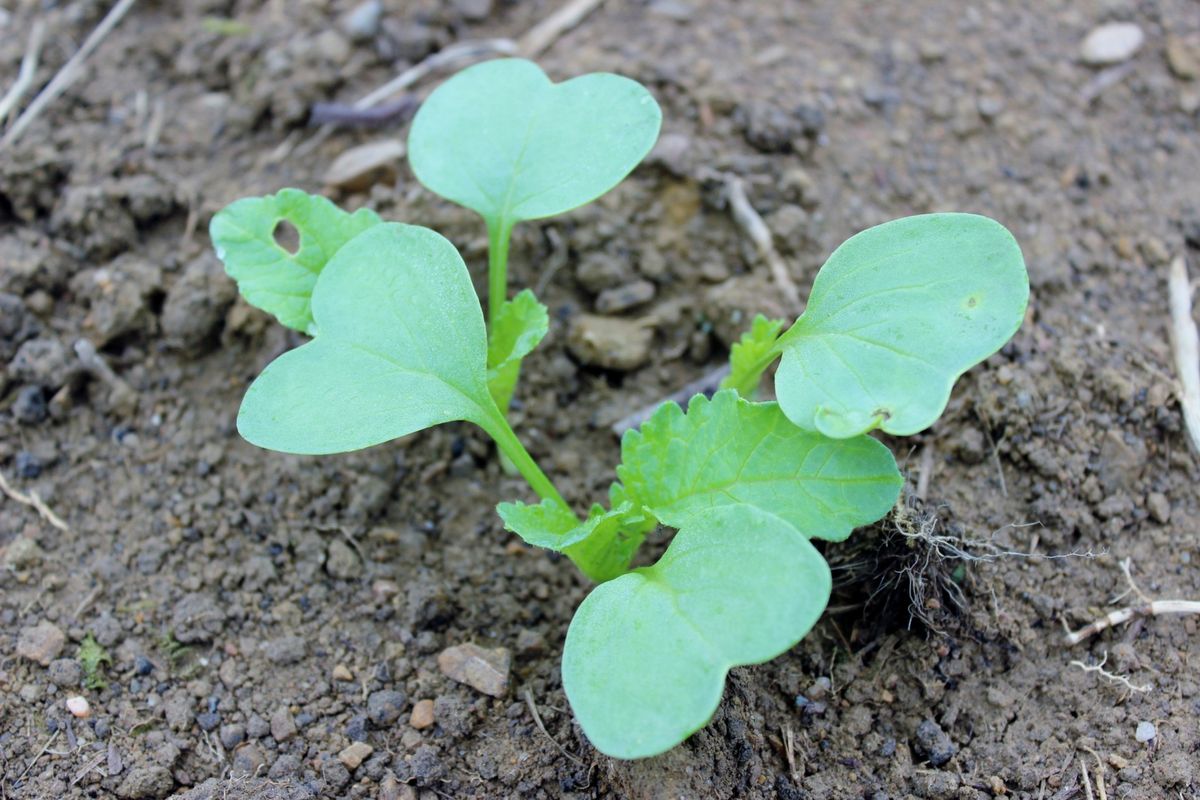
[
  {"x": 895, "y": 315},
  {"x": 504, "y": 141}
]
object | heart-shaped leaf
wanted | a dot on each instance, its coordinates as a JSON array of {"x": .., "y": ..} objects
[
  {"x": 401, "y": 346},
  {"x": 646, "y": 655},
  {"x": 502, "y": 139},
  {"x": 897, "y": 313},
  {"x": 518, "y": 327},
  {"x": 269, "y": 276},
  {"x": 729, "y": 451}
]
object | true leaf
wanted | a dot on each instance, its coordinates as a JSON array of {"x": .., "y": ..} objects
[
  {"x": 516, "y": 330},
  {"x": 269, "y": 276},
  {"x": 502, "y": 139},
  {"x": 751, "y": 355},
  {"x": 400, "y": 347},
  {"x": 729, "y": 451},
  {"x": 602, "y": 545},
  {"x": 897, "y": 313},
  {"x": 646, "y": 655}
]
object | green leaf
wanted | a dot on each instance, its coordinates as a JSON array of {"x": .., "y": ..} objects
[
  {"x": 268, "y": 276},
  {"x": 91, "y": 655},
  {"x": 646, "y": 655},
  {"x": 502, "y": 139},
  {"x": 602, "y": 545},
  {"x": 897, "y": 313},
  {"x": 518, "y": 328},
  {"x": 401, "y": 346},
  {"x": 729, "y": 451},
  {"x": 751, "y": 355}
]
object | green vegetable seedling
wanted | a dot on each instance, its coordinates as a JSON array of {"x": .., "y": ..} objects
[
  {"x": 895, "y": 315},
  {"x": 504, "y": 141}
]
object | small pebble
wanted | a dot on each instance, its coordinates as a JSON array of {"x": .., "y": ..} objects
[
  {"x": 422, "y": 715},
  {"x": 342, "y": 673},
  {"x": 482, "y": 669},
  {"x": 623, "y": 298},
  {"x": 79, "y": 706},
  {"x": 1145, "y": 731},
  {"x": 1111, "y": 44},
  {"x": 361, "y": 23},
  {"x": 355, "y": 754}
]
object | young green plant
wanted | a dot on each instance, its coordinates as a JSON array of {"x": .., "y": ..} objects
[
  {"x": 504, "y": 141},
  {"x": 896, "y": 314}
]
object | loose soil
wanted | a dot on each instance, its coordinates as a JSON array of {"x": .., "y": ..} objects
[{"x": 226, "y": 584}]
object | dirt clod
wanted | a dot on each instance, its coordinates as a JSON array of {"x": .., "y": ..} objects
[{"x": 41, "y": 643}]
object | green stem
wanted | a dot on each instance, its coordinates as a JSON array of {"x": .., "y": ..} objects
[
  {"x": 499, "y": 233},
  {"x": 502, "y": 433}
]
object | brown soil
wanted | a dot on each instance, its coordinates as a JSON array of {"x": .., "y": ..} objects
[{"x": 227, "y": 583}]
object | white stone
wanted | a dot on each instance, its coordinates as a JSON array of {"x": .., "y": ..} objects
[
  {"x": 79, "y": 706},
  {"x": 1111, "y": 44},
  {"x": 1145, "y": 731}
]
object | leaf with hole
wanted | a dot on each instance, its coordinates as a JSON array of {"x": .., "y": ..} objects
[
  {"x": 729, "y": 451},
  {"x": 400, "y": 347},
  {"x": 896, "y": 314},
  {"x": 270, "y": 276},
  {"x": 646, "y": 654},
  {"x": 502, "y": 139}
]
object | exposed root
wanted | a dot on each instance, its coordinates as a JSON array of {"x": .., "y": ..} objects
[
  {"x": 1186, "y": 345},
  {"x": 34, "y": 502},
  {"x": 1147, "y": 608},
  {"x": 919, "y": 560},
  {"x": 1112, "y": 677}
]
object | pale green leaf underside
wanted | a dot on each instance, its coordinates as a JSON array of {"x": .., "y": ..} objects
[
  {"x": 517, "y": 329},
  {"x": 400, "y": 347},
  {"x": 602, "y": 545},
  {"x": 502, "y": 139},
  {"x": 646, "y": 655},
  {"x": 268, "y": 276},
  {"x": 897, "y": 313},
  {"x": 751, "y": 355},
  {"x": 729, "y": 451}
]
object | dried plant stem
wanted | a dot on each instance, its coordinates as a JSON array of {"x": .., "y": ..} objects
[
  {"x": 537, "y": 39},
  {"x": 68, "y": 73},
  {"x": 1186, "y": 344},
  {"x": 1147, "y": 608},
  {"x": 26, "y": 72},
  {"x": 33, "y": 501},
  {"x": 756, "y": 229}
]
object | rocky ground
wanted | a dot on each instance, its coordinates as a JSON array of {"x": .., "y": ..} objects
[{"x": 248, "y": 625}]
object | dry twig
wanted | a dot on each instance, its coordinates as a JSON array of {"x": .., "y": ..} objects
[
  {"x": 34, "y": 502},
  {"x": 756, "y": 229},
  {"x": 1147, "y": 608},
  {"x": 705, "y": 384},
  {"x": 1186, "y": 344},
  {"x": 541, "y": 726},
  {"x": 537, "y": 39},
  {"x": 26, "y": 72},
  {"x": 69, "y": 72}
]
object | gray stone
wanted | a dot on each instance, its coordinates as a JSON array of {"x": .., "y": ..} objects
[
  {"x": 197, "y": 618},
  {"x": 247, "y": 760},
  {"x": 44, "y": 362},
  {"x": 933, "y": 744},
  {"x": 65, "y": 672},
  {"x": 286, "y": 766},
  {"x": 196, "y": 304},
  {"x": 341, "y": 561},
  {"x": 285, "y": 650},
  {"x": 385, "y": 707},
  {"x": 361, "y": 23},
  {"x": 283, "y": 726}
]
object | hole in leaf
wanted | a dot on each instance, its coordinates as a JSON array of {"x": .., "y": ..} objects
[{"x": 286, "y": 236}]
